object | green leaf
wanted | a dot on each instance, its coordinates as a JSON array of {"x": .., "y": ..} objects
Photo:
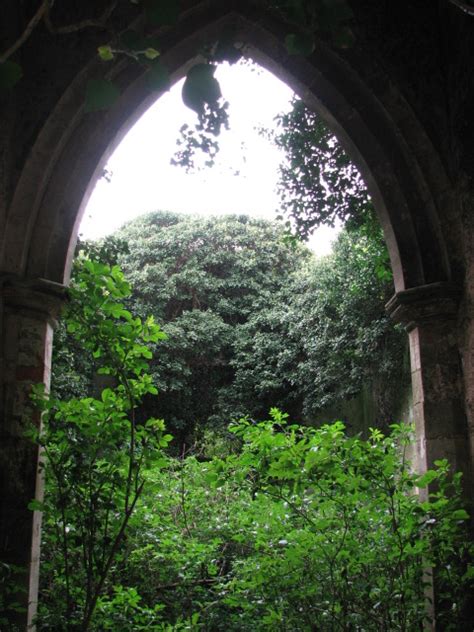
[
  {"x": 151, "y": 53},
  {"x": 300, "y": 44},
  {"x": 460, "y": 514},
  {"x": 36, "y": 505},
  {"x": 211, "y": 478},
  {"x": 427, "y": 478},
  {"x": 100, "y": 95},
  {"x": 10, "y": 74},
  {"x": 162, "y": 12},
  {"x": 105, "y": 53}
]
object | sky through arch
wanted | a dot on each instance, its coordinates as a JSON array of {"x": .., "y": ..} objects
[{"x": 140, "y": 177}]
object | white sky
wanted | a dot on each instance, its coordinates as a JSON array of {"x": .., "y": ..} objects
[{"x": 143, "y": 179}]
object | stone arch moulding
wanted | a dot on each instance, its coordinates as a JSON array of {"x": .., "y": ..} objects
[{"x": 369, "y": 115}]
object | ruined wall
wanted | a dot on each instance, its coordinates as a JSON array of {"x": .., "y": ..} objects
[
  {"x": 363, "y": 411},
  {"x": 466, "y": 314}
]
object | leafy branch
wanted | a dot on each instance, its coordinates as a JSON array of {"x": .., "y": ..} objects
[
  {"x": 95, "y": 465},
  {"x": 43, "y": 13}
]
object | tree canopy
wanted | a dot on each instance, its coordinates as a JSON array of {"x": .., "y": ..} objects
[
  {"x": 318, "y": 183},
  {"x": 203, "y": 279},
  {"x": 325, "y": 335},
  {"x": 252, "y": 320}
]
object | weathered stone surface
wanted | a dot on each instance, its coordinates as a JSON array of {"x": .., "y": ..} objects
[
  {"x": 27, "y": 315},
  {"x": 429, "y": 313}
]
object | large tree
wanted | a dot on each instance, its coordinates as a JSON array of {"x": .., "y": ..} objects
[
  {"x": 252, "y": 321},
  {"x": 204, "y": 278}
]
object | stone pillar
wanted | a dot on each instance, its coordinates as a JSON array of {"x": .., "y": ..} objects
[
  {"x": 429, "y": 314},
  {"x": 27, "y": 314},
  {"x": 466, "y": 321}
]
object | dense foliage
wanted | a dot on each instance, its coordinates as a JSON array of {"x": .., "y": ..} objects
[
  {"x": 325, "y": 336},
  {"x": 318, "y": 183},
  {"x": 203, "y": 278},
  {"x": 274, "y": 527},
  {"x": 95, "y": 449},
  {"x": 301, "y": 529},
  {"x": 252, "y": 322},
  {"x": 298, "y": 528}
]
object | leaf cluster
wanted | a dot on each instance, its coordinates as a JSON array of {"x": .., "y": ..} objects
[
  {"x": 295, "y": 529},
  {"x": 94, "y": 448},
  {"x": 318, "y": 183}
]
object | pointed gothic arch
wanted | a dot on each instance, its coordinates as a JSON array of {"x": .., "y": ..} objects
[
  {"x": 405, "y": 170},
  {"x": 371, "y": 118}
]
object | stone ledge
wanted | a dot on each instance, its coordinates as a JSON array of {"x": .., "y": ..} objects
[
  {"x": 424, "y": 304},
  {"x": 39, "y": 296}
]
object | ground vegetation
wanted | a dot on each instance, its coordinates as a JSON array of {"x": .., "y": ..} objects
[{"x": 282, "y": 527}]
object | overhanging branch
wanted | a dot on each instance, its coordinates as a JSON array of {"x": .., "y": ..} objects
[
  {"x": 44, "y": 13},
  {"x": 100, "y": 22},
  {"x": 32, "y": 24},
  {"x": 464, "y": 6}
]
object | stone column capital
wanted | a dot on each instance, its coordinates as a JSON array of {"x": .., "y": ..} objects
[
  {"x": 38, "y": 297},
  {"x": 435, "y": 302}
]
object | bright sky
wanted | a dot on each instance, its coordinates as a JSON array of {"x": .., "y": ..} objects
[{"x": 143, "y": 179}]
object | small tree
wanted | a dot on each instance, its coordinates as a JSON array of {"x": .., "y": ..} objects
[{"x": 95, "y": 451}]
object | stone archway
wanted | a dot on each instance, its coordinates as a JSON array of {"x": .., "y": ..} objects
[
  {"x": 378, "y": 128},
  {"x": 366, "y": 107}
]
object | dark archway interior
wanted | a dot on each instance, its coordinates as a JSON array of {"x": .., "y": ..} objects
[
  {"x": 410, "y": 137},
  {"x": 385, "y": 140}
]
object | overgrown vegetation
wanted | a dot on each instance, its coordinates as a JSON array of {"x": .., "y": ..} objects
[
  {"x": 324, "y": 337},
  {"x": 274, "y": 526},
  {"x": 252, "y": 322},
  {"x": 95, "y": 451}
]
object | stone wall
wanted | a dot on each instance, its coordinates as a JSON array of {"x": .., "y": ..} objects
[
  {"x": 362, "y": 412},
  {"x": 466, "y": 313}
]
